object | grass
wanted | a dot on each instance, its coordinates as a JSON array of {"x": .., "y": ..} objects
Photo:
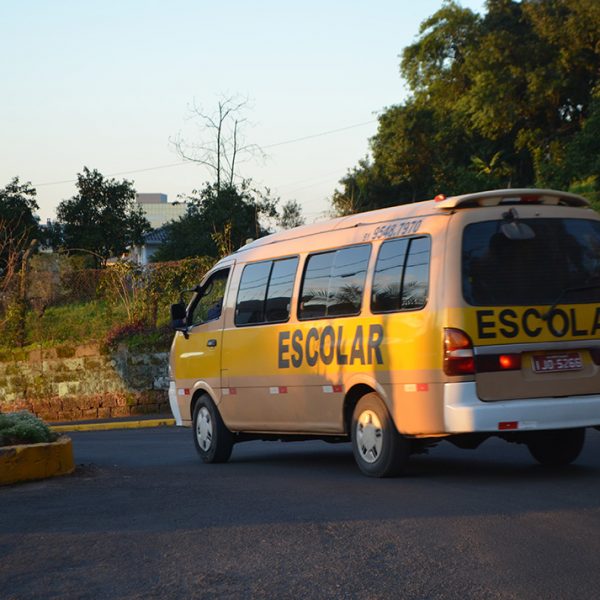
[
  {"x": 67, "y": 326},
  {"x": 80, "y": 323}
]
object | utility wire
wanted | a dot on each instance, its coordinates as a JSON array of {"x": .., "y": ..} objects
[
  {"x": 316, "y": 135},
  {"x": 180, "y": 163}
]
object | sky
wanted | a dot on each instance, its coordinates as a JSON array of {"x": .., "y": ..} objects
[{"x": 107, "y": 84}]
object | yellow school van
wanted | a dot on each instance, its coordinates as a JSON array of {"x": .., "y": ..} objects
[{"x": 457, "y": 318}]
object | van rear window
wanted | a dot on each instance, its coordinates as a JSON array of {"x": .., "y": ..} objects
[{"x": 559, "y": 261}]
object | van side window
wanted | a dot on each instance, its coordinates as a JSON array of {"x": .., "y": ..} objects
[
  {"x": 250, "y": 306},
  {"x": 265, "y": 292},
  {"x": 401, "y": 279},
  {"x": 281, "y": 286},
  {"x": 334, "y": 282},
  {"x": 208, "y": 303}
]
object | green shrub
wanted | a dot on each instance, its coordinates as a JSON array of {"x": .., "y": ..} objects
[{"x": 23, "y": 428}]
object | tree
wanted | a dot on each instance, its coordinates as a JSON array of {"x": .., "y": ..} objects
[
  {"x": 505, "y": 98},
  {"x": 364, "y": 188},
  {"x": 220, "y": 146},
  {"x": 102, "y": 219},
  {"x": 17, "y": 207},
  {"x": 18, "y": 232},
  {"x": 218, "y": 220},
  {"x": 291, "y": 215}
]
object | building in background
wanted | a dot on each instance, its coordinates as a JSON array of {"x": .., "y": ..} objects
[{"x": 158, "y": 211}]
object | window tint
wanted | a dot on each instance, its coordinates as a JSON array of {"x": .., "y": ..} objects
[
  {"x": 334, "y": 282},
  {"x": 313, "y": 303},
  {"x": 265, "y": 292},
  {"x": 281, "y": 286},
  {"x": 251, "y": 295},
  {"x": 401, "y": 279},
  {"x": 561, "y": 262},
  {"x": 207, "y": 305},
  {"x": 415, "y": 284}
]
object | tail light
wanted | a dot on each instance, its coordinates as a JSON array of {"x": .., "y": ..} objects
[
  {"x": 489, "y": 363},
  {"x": 458, "y": 353}
]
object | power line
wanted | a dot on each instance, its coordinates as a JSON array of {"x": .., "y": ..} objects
[
  {"x": 180, "y": 163},
  {"x": 177, "y": 164},
  {"x": 316, "y": 135}
]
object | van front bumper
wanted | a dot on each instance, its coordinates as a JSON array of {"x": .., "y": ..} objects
[
  {"x": 174, "y": 404},
  {"x": 464, "y": 412}
]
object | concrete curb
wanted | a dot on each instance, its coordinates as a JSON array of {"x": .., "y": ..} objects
[
  {"x": 105, "y": 425},
  {"x": 36, "y": 461}
]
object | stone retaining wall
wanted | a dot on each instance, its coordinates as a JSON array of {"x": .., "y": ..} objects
[{"x": 84, "y": 383}]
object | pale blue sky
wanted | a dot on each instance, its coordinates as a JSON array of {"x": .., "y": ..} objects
[{"x": 105, "y": 84}]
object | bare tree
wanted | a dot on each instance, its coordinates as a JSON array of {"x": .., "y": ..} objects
[{"x": 220, "y": 146}]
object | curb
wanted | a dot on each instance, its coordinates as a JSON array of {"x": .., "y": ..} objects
[
  {"x": 102, "y": 426},
  {"x": 36, "y": 461}
]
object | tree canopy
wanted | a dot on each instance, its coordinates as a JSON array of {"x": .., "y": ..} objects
[
  {"x": 219, "y": 220},
  {"x": 102, "y": 219},
  {"x": 17, "y": 207},
  {"x": 18, "y": 230},
  {"x": 507, "y": 98}
]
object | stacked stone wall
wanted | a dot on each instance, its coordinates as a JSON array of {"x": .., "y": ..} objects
[{"x": 66, "y": 384}]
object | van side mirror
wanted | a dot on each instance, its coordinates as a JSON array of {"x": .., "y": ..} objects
[{"x": 179, "y": 317}]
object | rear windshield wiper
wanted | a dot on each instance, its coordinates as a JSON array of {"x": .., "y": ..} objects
[{"x": 581, "y": 288}]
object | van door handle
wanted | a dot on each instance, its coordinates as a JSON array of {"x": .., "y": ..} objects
[{"x": 211, "y": 343}]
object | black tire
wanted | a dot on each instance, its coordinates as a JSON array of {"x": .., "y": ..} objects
[
  {"x": 556, "y": 448},
  {"x": 213, "y": 441},
  {"x": 379, "y": 450}
]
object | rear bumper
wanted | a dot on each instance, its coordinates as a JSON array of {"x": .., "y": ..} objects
[{"x": 464, "y": 412}]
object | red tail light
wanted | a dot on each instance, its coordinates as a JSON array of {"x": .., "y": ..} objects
[
  {"x": 509, "y": 362},
  {"x": 490, "y": 363},
  {"x": 458, "y": 353}
]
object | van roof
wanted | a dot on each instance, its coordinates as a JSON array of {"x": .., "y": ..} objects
[{"x": 439, "y": 205}]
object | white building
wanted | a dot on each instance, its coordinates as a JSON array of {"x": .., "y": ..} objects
[{"x": 158, "y": 211}]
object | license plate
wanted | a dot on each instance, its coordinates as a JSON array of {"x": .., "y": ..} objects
[{"x": 556, "y": 363}]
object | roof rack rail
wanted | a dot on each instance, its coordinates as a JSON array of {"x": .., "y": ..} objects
[{"x": 513, "y": 196}]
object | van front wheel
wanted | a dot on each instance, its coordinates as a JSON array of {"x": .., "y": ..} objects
[
  {"x": 212, "y": 439},
  {"x": 379, "y": 450},
  {"x": 556, "y": 448}
]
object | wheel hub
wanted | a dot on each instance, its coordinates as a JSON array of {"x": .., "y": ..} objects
[
  {"x": 369, "y": 436},
  {"x": 204, "y": 429}
]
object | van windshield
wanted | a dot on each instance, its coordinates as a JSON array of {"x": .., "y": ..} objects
[{"x": 562, "y": 258}]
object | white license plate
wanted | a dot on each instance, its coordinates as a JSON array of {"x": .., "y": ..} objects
[{"x": 557, "y": 363}]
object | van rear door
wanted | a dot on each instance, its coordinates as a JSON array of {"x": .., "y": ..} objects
[{"x": 534, "y": 294}]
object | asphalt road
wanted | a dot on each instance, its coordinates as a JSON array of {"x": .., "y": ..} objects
[{"x": 144, "y": 518}]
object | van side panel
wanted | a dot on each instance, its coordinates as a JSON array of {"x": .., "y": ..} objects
[{"x": 293, "y": 376}]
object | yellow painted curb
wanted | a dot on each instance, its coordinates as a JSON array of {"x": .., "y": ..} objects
[
  {"x": 36, "y": 461},
  {"x": 113, "y": 425}
]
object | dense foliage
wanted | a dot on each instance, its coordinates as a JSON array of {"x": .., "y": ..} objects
[
  {"x": 17, "y": 208},
  {"x": 510, "y": 98},
  {"x": 102, "y": 219},
  {"x": 218, "y": 221}
]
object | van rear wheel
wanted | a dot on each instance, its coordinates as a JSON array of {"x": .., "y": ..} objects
[
  {"x": 379, "y": 450},
  {"x": 213, "y": 441},
  {"x": 556, "y": 448}
]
